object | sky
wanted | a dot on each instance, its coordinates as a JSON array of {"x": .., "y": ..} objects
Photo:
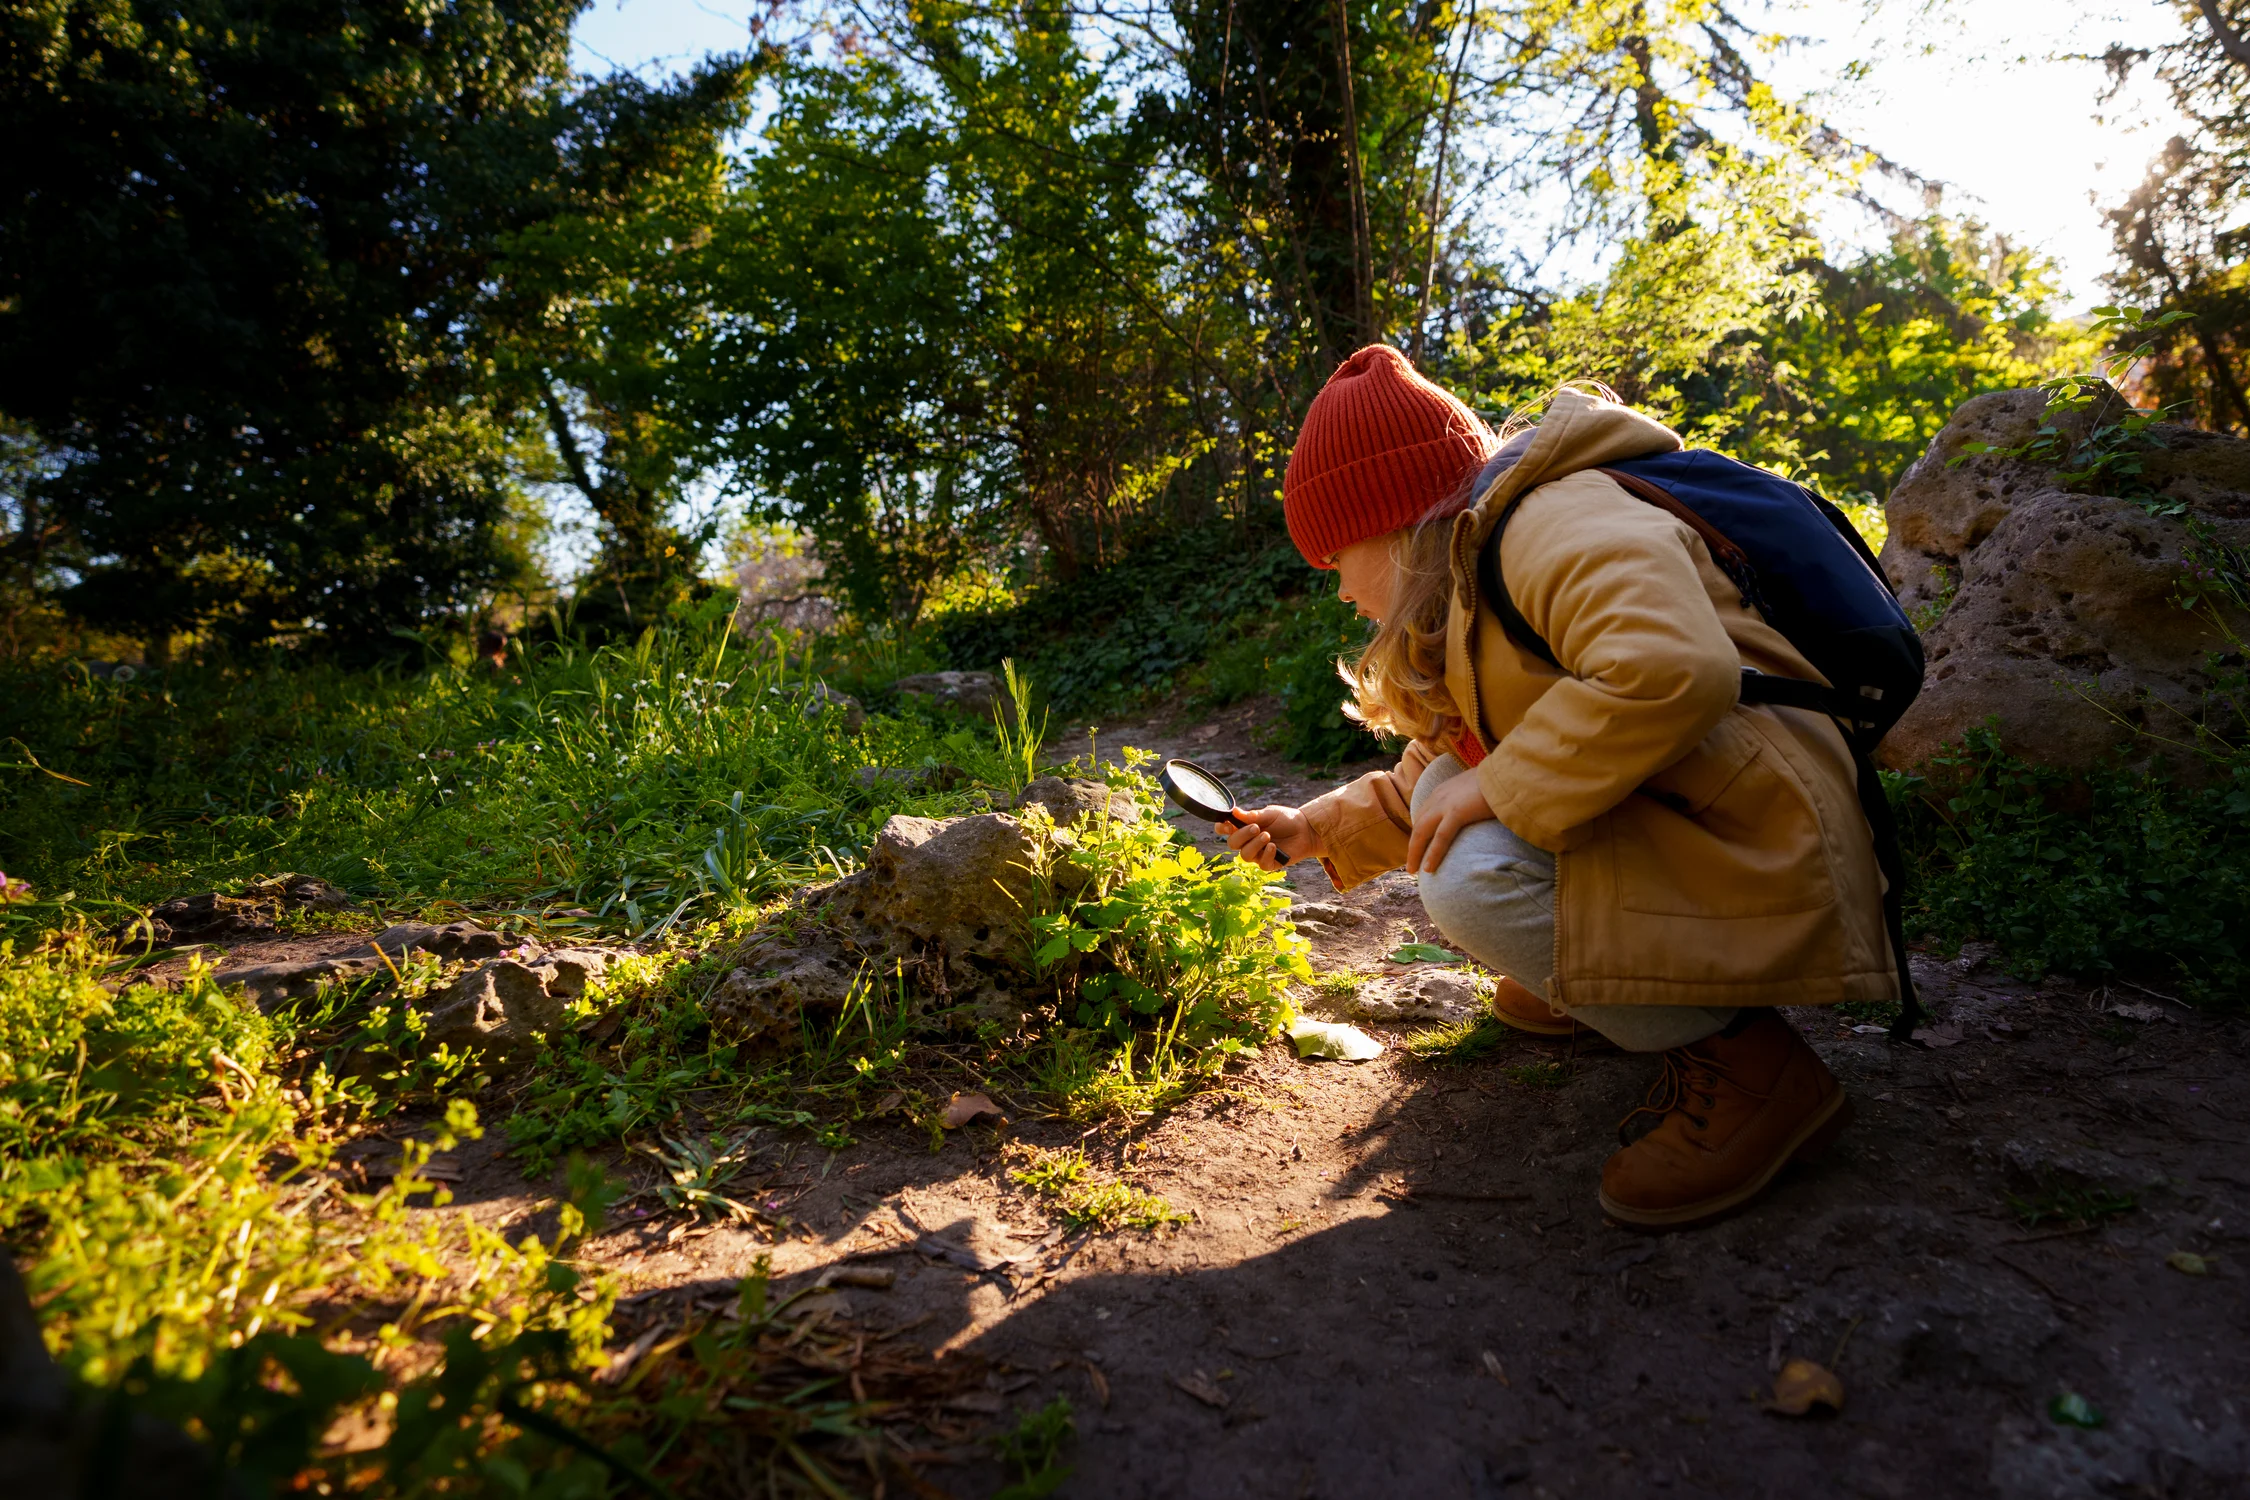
[{"x": 1974, "y": 93}]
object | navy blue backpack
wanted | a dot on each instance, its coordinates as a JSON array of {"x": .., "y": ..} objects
[{"x": 1801, "y": 564}]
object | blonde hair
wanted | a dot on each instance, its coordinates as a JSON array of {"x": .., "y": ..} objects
[{"x": 1398, "y": 681}]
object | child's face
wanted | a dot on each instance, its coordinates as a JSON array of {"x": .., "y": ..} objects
[{"x": 1367, "y": 575}]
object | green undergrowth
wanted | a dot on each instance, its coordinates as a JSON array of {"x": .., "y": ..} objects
[
  {"x": 691, "y": 772},
  {"x": 2115, "y": 872},
  {"x": 1470, "y": 1041},
  {"x": 174, "y": 1178},
  {"x": 1224, "y": 611}
]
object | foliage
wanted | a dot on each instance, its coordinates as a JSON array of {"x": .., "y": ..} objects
[
  {"x": 691, "y": 771},
  {"x": 1033, "y": 1449},
  {"x": 933, "y": 342},
  {"x": 1099, "y": 642},
  {"x": 1068, "y": 1180},
  {"x": 170, "y": 1178},
  {"x": 1140, "y": 926},
  {"x": 1469, "y": 1041},
  {"x": 1892, "y": 343},
  {"x": 2070, "y": 1205},
  {"x": 2089, "y": 434},
  {"x": 243, "y": 281},
  {"x": 2179, "y": 244},
  {"x": 164, "y": 1176},
  {"x": 515, "y": 1413},
  {"x": 2129, "y": 872},
  {"x": 604, "y": 301}
]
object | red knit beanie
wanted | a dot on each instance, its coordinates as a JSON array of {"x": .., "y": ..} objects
[{"x": 1380, "y": 447}]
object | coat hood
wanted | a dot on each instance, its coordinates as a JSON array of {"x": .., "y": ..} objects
[{"x": 1579, "y": 431}]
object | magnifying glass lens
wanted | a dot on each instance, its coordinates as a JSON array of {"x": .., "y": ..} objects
[{"x": 1197, "y": 790}]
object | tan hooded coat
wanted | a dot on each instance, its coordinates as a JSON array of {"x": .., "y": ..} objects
[{"x": 1707, "y": 852}]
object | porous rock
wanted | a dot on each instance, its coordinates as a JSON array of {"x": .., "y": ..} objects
[
  {"x": 1435, "y": 995},
  {"x": 514, "y": 990},
  {"x": 940, "y": 900},
  {"x": 1342, "y": 936},
  {"x": 1071, "y": 798},
  {"x": 504, "y": 1002},
  {"x": 455, "y": 940},
  {"x": 2059, "y": 614},
  {"x": 274, "y": 985},
  {"x": 209, "y": 916},
  {"x": 977, "y": 693}
]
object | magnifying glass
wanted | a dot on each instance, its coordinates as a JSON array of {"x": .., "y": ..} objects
[{"x": 1197, "y": 790}]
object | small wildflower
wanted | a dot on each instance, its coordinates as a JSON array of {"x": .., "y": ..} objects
[{"x": 13, "y": 890}]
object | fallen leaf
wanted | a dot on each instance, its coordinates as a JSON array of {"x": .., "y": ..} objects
[
  {"x": 2139, "y": 1011},
  {"x": 2189, "y": 1262},
  {"x": 2074, "y": 1410},
  {"x": 1947, "y": 1035},
  {"x": 1200, "y": 1386},
  {"x": 1492, "y": 1365},
  {"x": 1101, "y": 1382},
  {"x": 1424, "y": 953},
  {"x": 1869, "y": 1030},
  {"x": 1801, "y": 1386},
  {"x": 967, "y": 1107},
  {"x": 890, "y": 1101},
  {"x": 1332, "y": 1039}
]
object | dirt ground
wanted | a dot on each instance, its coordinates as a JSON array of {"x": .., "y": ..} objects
[{"x": 1396, "y": 1281}]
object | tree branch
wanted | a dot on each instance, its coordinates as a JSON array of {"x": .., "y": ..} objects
[
  {"x": 2231, "y": 41},
  {"x": 566, "y": 444}
]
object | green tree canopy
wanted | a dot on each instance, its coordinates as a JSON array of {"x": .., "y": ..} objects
[{"x": 243, "y": 274}]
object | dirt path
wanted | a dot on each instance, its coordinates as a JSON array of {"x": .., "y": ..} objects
[{"x": 1396, "y": 1280}]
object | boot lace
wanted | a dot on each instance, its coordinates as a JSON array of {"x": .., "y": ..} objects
[{"x": 1689, "y": 1082}]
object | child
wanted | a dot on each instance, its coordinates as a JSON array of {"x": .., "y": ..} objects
[{"x": 1635, "y": 850}]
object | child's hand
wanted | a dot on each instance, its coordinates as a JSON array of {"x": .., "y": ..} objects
[
  {"x": 1271, "y": 837},
  {"x": 1451, "y": 808}
]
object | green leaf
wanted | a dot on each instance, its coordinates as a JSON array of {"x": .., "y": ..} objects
[
  {"x": 1424, "y": 953},
  {"x": 1332, "y": 1039}
]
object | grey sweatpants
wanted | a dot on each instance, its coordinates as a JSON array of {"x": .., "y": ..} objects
[{"x": 1494, "y": 896}]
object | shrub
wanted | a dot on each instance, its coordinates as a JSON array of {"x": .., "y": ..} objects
[
  {"x": 1141, "y": 927},
  {"x": 2119, "y": 871}
]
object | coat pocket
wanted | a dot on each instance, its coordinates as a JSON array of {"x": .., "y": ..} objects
[{"x": 1731, "y": 831}]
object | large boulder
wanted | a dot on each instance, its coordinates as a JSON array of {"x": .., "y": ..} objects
[
  {"x": 942, "y": 902},
  {"x": 2054, "y": 612}
]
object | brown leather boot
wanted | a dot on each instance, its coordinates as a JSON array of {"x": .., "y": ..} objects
[
  {"x": 1732, "y": 1111},
  {"x": 1513, "y": 1005}
]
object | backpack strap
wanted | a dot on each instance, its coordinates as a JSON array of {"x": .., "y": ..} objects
[{"x": 1760, "y": 688}]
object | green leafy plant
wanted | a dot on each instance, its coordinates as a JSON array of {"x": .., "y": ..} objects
[
  {"x": 2108, "y": 457},
  {"x": 1033, "y": 1448},
  {"x": 2116, "y": 870},
  {"x": 1089, "y": 1200},
  {"x": 1138, "y": 927},
  {"x": 1544, "y": 1074},
  {"x": 695, "y": 1171},
  {"x": 1468, "y": 1041}
]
